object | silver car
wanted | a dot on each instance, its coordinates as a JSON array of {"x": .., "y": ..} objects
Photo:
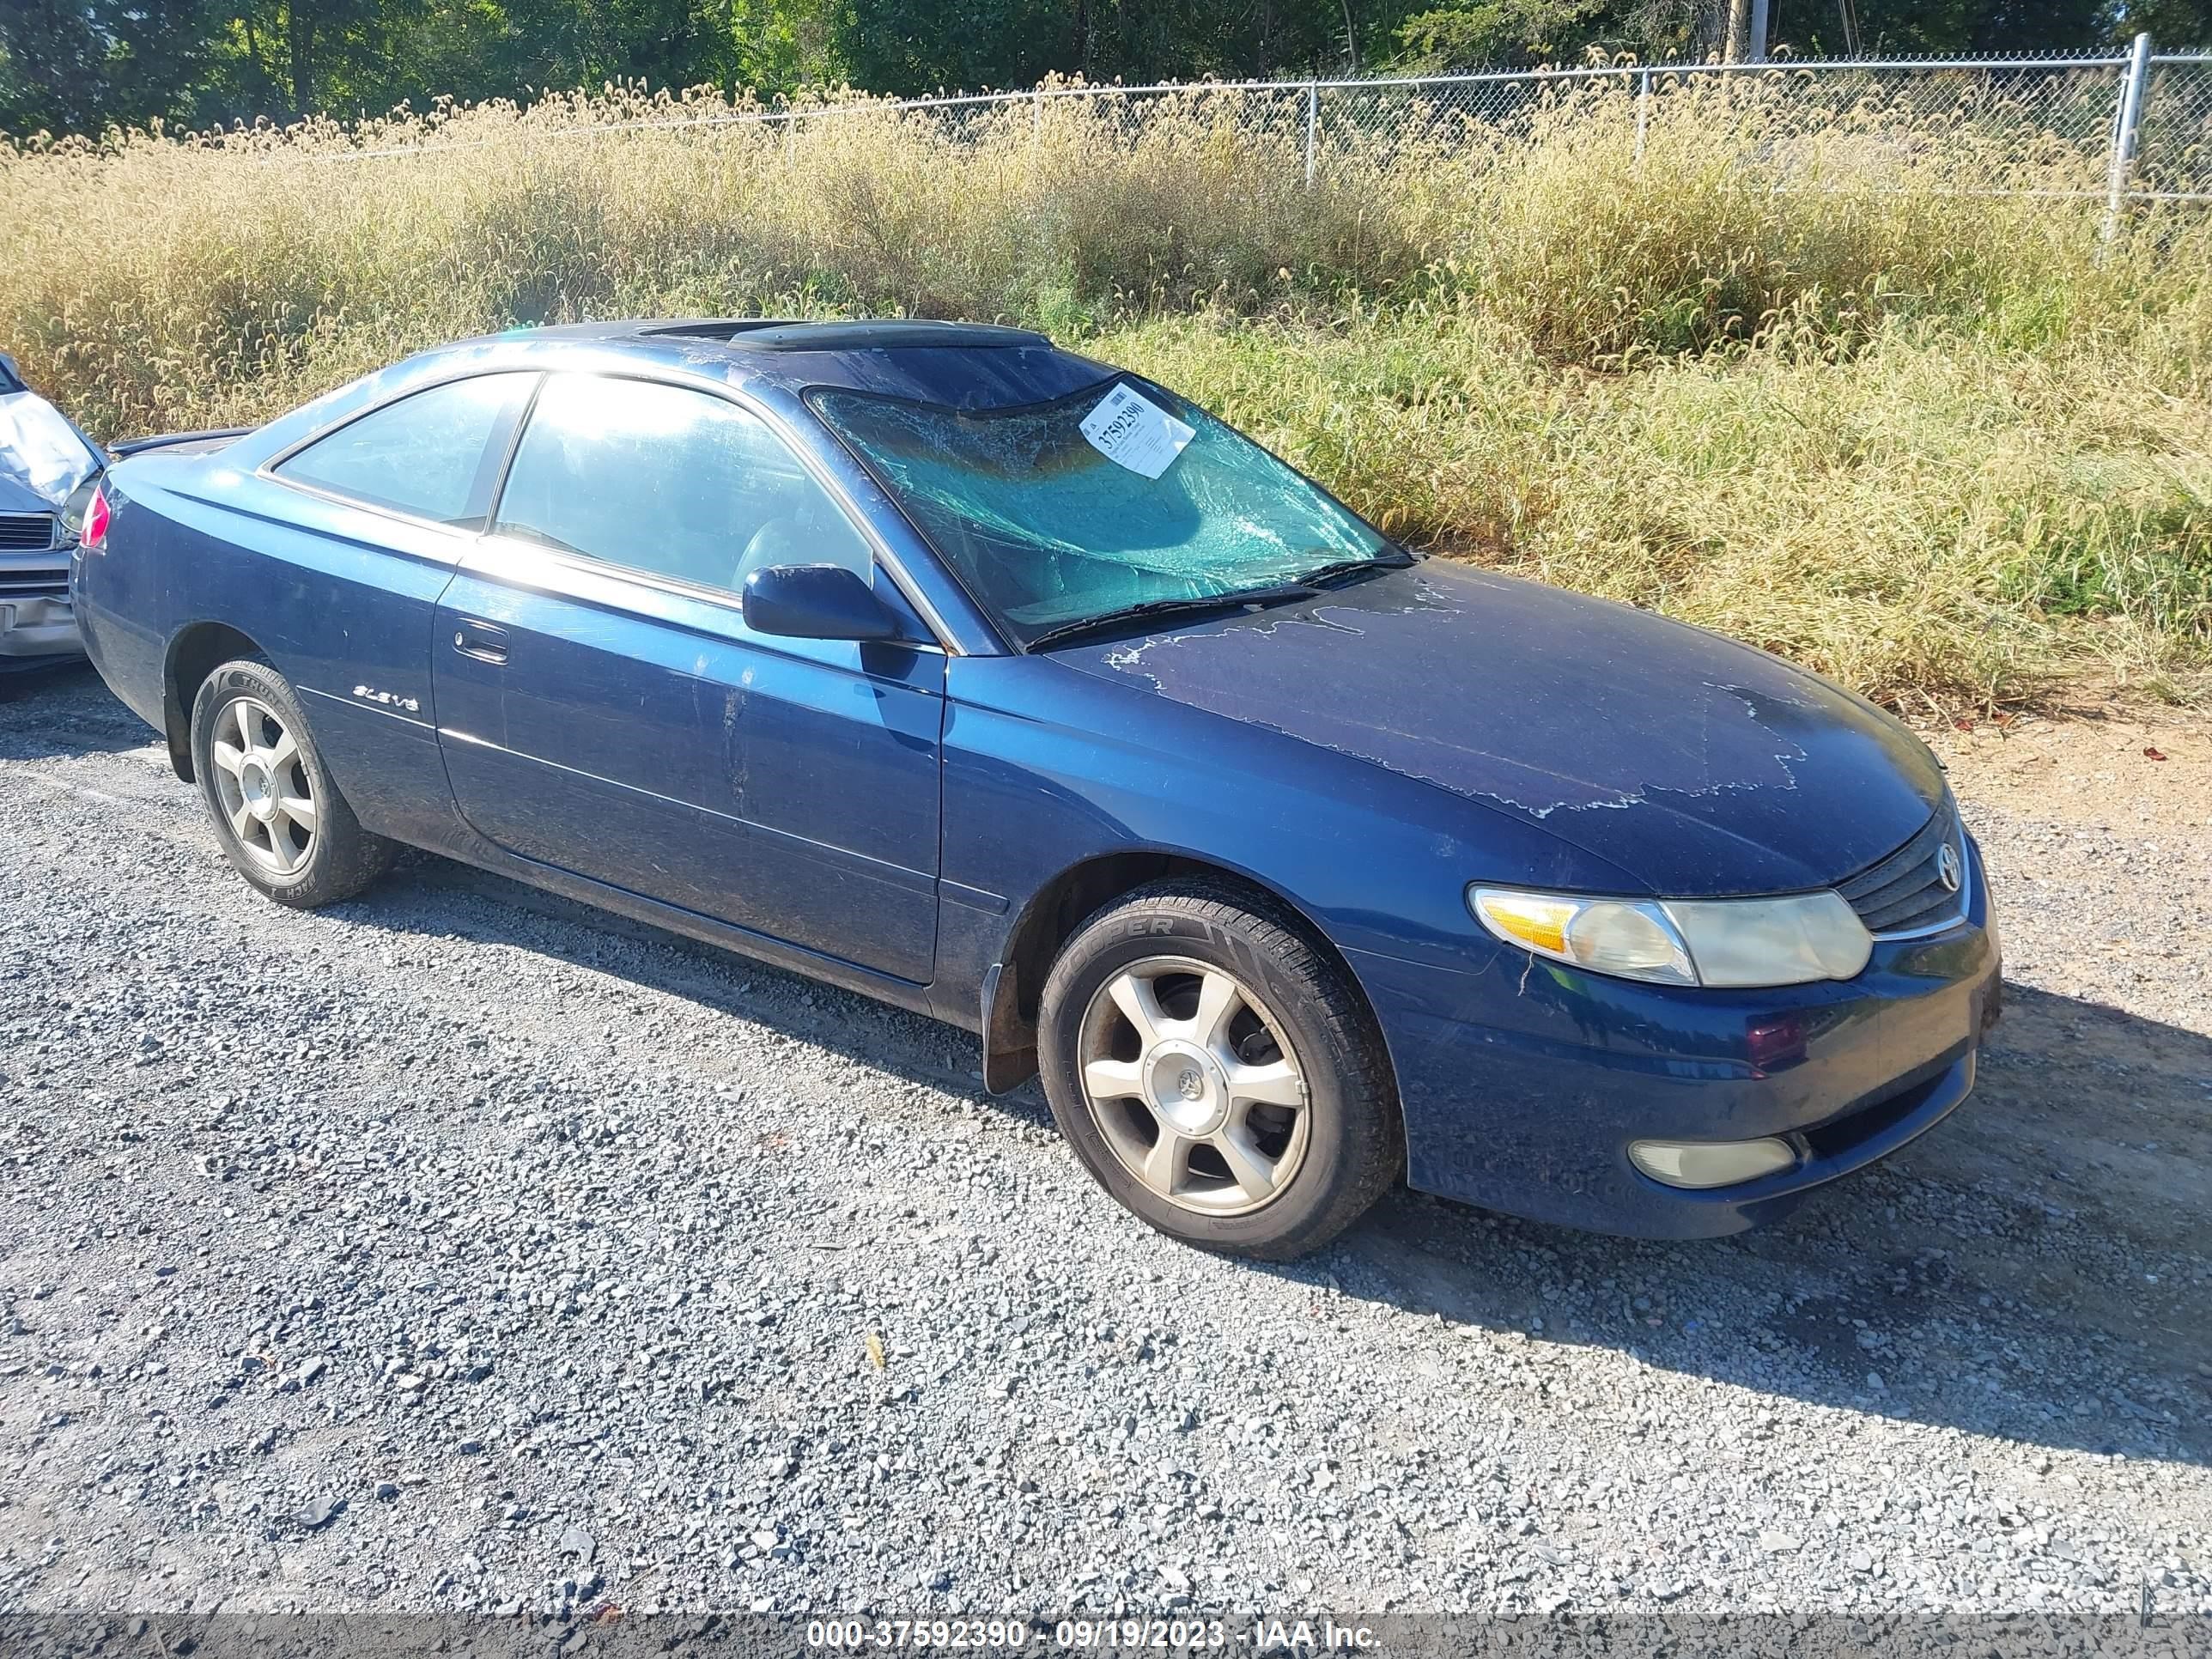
[{"x": 44, "y": 461}]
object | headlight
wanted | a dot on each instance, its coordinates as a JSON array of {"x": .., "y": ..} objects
[
  {"x": 1610, "y": 936},
  {"x": 1713, "y": 942},
  {"x": 1784, "y": 941}
]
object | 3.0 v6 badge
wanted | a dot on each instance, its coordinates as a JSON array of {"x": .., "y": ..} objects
[{"x": 388, "y": 699}]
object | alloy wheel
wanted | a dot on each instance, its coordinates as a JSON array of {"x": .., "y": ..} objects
[
  {"x": 1193, "y": 1086},
  {"x": 262, "y": 781}
]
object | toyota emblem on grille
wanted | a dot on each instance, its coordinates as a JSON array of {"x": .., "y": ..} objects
[{"x": 1947, "y": 870}]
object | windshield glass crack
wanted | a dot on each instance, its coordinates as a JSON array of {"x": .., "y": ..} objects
[{"x": 1047, "y": 530}]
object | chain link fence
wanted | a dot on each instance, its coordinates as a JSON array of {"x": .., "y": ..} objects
[
  {"x": 2060, "y": 126},
  {"x": 2174, "y": 137},
  {"x": 2130, "y": 127}
]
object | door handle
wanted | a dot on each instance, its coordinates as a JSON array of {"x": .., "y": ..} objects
[{"x": 485, "y": 642}]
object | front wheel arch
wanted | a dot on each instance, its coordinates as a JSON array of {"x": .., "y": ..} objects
[{"x": 1058, "y": 909}]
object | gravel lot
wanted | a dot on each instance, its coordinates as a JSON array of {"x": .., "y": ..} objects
[{"x": 461, "y": 1249}]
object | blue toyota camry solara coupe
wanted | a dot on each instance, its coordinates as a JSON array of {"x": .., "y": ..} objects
[{"x": 959, "y": 670}]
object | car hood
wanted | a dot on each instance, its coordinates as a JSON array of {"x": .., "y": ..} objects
[
  {"x": 1698, "y": 766},
  {"x": 42, "y": 457}
]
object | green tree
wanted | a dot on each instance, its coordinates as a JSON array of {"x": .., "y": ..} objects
[
  {"x": 2180, "y": 25},
  {"x": 78, "y": 66},
  {"x": 1475, "y": 34},
  {"x": 1498, "y": 33},
  {"x": 1887, "y": 28},
  {"x": 922, "y": 46}
]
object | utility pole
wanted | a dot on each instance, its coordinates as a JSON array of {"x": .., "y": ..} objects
[{"x": 1738, "y": 32}]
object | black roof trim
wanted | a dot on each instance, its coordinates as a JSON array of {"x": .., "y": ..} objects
[
  {"x": 714, "y": 328},
  {"x": 771, "y": 334},
  {"x": 206, "y": 439}
]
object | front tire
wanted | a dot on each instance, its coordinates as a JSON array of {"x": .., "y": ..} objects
[
  {"x": 282, "y": 824},
  {"x": 1217, "y": 1073}
]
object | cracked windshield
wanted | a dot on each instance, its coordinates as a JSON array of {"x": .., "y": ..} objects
[{"x": 1120, "y": 496}]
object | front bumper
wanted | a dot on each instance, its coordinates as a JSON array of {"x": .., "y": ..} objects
[
  {"x": 1523, "y": 1082},
  {"x": 37, "y": 622}
]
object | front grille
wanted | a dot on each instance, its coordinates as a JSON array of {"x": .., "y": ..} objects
[
  {"x": 25, "y": 531},
  {"x": 1905, "y": 893}
]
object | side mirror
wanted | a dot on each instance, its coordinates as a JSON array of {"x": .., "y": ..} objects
[{"x": 816, "y": 602}]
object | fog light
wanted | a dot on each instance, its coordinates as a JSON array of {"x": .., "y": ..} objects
[{"x": 1710, "y": 1162}]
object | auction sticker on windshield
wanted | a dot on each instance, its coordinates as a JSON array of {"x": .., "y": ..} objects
[{"x": 1131, "y": 431}]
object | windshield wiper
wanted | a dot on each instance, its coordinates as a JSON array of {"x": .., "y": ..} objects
[
  {"x": 1255, "y": 598},
  {"x": 1392, "y": 559}
]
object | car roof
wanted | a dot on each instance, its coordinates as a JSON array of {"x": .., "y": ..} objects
[{"x": 958, "y": 365}]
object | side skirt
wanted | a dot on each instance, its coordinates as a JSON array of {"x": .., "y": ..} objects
[{"x": 809, "y": 965}]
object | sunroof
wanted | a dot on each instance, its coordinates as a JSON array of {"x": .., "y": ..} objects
[
  {"x": 772, "y": 334},
  {"x": 719, "y": 328}
]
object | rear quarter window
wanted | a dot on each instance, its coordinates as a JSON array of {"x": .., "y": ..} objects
[{"x": 433, "y": 454}]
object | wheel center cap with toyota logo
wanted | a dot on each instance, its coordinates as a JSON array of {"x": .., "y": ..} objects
[
  {"x": 256, "y": 786},
  {"x": 1187, "y": 1086}
]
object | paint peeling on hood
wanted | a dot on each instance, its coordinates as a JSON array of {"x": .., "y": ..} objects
[{"x": 1701, "y": 765}]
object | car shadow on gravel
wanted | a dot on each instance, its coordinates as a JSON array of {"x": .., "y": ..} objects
[
  {"x": 430, "y": 894},
  {"x": 2037, "y": 1268},
  {"x": 64, "y": 710}
]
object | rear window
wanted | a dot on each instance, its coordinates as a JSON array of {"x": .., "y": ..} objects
[{"x": 431, "y": 454}]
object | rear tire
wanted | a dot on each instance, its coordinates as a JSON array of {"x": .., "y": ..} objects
[
  {"x": 1218, "y": 1073},
  {"x": 282, "y": 824}
]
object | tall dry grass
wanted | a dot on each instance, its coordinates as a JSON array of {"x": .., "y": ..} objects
[
  {"x": 1817, "y": 383},
  {"x": 1916, "y": 518}
]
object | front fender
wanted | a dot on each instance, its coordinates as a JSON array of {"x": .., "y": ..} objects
[{"x": 1050, "y": 774}]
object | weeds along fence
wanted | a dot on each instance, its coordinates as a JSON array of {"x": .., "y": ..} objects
[
  {"x": 2131, "y": 127},
  {"x": 1607, "y": 213}
]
